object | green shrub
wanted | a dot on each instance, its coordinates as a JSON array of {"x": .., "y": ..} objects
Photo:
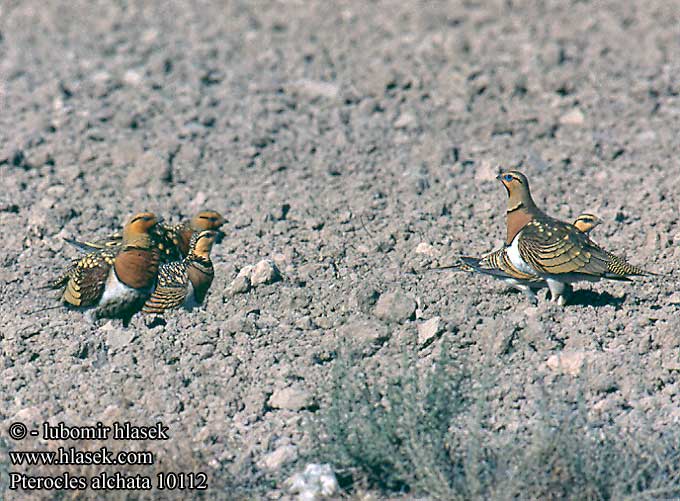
[{"x": 427, "y": 433}]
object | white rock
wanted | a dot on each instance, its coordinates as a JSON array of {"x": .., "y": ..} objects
[
  {"x": 240, "y": 285},
  {"x": 246, "y": 271},
  {"x": 290, "y": 398},
  {"x": 317, "y": 480},
  {"x": 265, "y": 272},
  {"x": 427, "y": 249},
  {"x": 131, "y": 77},
  {"x": 314, "y": 89},
  {"x": 405, "y": 121},
  {"x": 277, "y": 458},
  {"x": 428, "y": 330},
  {"x": 572, "y": 117},
  {"x": 674, "y": 298},
  {"x": 567, "y": 362},
  {"x": 395, "y": 306}
]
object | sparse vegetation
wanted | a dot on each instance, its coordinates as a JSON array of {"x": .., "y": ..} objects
[{"x": 427, "y": 434}]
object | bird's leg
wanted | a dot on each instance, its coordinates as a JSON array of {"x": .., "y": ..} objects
[{"x": 556, "y": 291}]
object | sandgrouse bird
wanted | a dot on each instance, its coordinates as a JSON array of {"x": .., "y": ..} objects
[
  {"x": 497, "y": 263},
  {"x": 114, "y": 282},
  {"x": 557, "y": 252},
  {"x": 184, "y": 283},
  {"x": 172, "y": 240}
]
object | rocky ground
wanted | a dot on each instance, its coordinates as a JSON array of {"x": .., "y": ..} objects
[{"x": 353, "y": 145}]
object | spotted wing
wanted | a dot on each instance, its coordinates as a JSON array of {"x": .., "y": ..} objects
[
  {"x": 87, "y": 279},
  {"x": 171, "y": 290},
  {"x": 553, "y": 247}
]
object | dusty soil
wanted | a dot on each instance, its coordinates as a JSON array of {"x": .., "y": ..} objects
[{"x": 335, "y": 138}]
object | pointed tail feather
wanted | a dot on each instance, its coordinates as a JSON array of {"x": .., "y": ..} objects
[{"x": 83, "y": 246}]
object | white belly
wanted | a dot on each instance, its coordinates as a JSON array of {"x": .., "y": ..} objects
[
  {"x": 118, "y": 299},
  {"x": 516, "y": 259},
  {"x": 116, "y": 291},
  {"x": 190, "y": 300}
]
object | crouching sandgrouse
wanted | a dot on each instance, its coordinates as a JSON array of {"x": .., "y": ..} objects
[
  {"x": 184, "y": 283},
  {"x": 115, "y": 282}
]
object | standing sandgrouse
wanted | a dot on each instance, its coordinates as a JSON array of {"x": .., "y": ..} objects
[
  {"x": 497, "y": 264},
  {"x": 115, "y": 282},
  {"x": 172, "y": 240},
  {"x": 537, "y": 244},
  {"x": 186, "y": 282}
]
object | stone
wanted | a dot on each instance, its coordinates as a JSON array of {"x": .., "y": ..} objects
[
  {"x": 279, "y": 457},
  {"x": 240, "y": 285},
  {"x": 314, "y": 89},
  {"x": 316, "y": 480},
  {"x": 405, "y": 121},
  {"x": 291, "y": 398},
  {"x": 426, "y": 249},
  {"x": 395, "y": 306},
  {"x": 265, "y": 272},
  {"x": 572, "y": 117},
  {"x": 132, "y": 78},
  {"x": 674, "y": 298},
  {"x": 367, "y": 335},
  {"x": 428, "y": 331},
  {"x": 567, "y": 362}
]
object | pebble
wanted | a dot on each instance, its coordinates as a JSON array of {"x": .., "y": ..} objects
[
  {"x": 316, "y": 480},
  {"x": 240, "y": 285},
  {"x": 567, "y": 362},
  {"x": 314, "y": 89},
  {"x": 405, "y": 121},
  {"x": 290, "y": 398},
  {"x": 428, "y": 331},
  {"x": 279, "y": 457},
  {"x": 395, "y": 306},
  {"x": 427, "y": 249},
  {"x": 572, "y": 117},
  {"x": 265, "y": 272}
]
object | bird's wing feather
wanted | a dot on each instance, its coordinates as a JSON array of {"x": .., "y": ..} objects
[
  {"x": 496, "y": 263},
  {"x": 88, "y": 278},
  {"x": 171, "y": 290},
  {"x": 553, "y": 247}
]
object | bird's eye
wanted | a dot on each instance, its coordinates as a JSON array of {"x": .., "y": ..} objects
[{"x": 508, "y": 177}]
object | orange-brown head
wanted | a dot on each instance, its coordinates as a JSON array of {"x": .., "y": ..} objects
[
  {"x": 207, "y": 220},
  {"x": 136, "y": 231},
  {"x": 521, "y": 207},
  {"x": 586, "y": 222},
  {"x": 202, "y": 243}
]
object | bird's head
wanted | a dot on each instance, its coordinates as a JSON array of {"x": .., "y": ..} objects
[
  {"x": 586, "y": 222},
  {"x": 207, "y": 220},
  {"x": 203, "y": 242},
  {"x": 138, "y": 227},
  {"x": 517, "y": 186}
]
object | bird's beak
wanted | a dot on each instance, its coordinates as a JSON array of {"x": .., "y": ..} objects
[{"x": 499, "y": 177}]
